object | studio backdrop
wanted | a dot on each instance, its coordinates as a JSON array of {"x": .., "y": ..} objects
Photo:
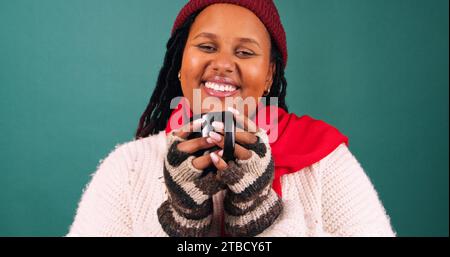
[{"x": 76, "y": 75}]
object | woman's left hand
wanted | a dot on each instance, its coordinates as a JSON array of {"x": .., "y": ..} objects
[{"x": 249, "y": 178}]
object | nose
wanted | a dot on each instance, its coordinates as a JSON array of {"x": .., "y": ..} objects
[{"x": 223, "y": 64}]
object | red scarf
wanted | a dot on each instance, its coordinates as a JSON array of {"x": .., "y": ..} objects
[{"x": 301, "y": 141}]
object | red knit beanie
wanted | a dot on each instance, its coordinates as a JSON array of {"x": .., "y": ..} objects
[{"x": 264, "y": 9}]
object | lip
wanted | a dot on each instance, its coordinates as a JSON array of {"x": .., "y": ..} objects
[
  {"x": 222, "y": 80},
  {"x": 220, "y": 94}
]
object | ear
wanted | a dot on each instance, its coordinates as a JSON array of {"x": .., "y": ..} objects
[{"x": 270, "y": 73}]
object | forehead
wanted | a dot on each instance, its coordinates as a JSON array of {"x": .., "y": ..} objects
[{"x": 229, "y": 21}]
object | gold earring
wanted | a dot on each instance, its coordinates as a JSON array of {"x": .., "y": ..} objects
[
  {"x": 267, "y": 92},
  {"x": 179, "y": 76}
]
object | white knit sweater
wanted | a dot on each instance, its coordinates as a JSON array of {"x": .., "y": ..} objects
[{"x": 333, "y": 197}]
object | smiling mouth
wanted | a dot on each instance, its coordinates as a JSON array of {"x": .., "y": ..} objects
[{"x": 219, "y": 89}]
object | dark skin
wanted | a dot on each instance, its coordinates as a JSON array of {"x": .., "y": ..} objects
[{"x": 225, "y": 40}]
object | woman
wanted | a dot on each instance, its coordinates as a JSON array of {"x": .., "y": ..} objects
[{"x": 291, "y": 176}]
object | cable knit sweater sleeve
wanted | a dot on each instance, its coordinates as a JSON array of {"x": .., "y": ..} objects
[
  {"x": 104, "y": 206},
  {"x": 351, "y": 206},
  {"x": 333, "y": 197}
]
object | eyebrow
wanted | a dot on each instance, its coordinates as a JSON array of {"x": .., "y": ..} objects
[{"x": 240, "y": 39}]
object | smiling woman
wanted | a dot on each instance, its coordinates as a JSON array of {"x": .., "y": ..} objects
[
  {"x": 291, "y": 176},
  {"x": 227, "y": 53}
]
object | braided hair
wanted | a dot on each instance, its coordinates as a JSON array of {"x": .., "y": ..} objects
[{"x": 157, "y": 112}]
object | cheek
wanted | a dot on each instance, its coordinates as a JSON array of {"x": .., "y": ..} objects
[
  {"x": 254, "y": 77},
  {"x": 191, "y": 68}
]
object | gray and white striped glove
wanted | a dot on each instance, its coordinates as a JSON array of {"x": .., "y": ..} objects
[
  {"x": 188, "y": 209},
  {"x": 250, "y": 204}
]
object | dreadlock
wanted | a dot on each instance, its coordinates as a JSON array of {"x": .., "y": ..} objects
[{"x": 157, "y": 112}]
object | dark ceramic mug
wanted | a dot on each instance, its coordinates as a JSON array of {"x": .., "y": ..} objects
[{"x": 227, "y": 118}]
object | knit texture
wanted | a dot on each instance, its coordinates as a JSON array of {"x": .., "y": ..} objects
[
  {"x": 265, "y": 10},
  {"x": 251, "y": 205},
  {"x": 332, "y": 197},
  {"x": 189, "y": 208}
]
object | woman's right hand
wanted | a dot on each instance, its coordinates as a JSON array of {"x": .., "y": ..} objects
[
  {"x": 188, "y": 209},
  {"x": 193, "y": 145}
]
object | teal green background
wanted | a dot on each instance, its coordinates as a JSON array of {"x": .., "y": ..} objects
[{"x": 76, "y": 75}]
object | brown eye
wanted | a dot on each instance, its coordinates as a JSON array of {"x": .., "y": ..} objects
[
  {"x": 244, "y": 53},
  {"x": 207, "y": 48}
]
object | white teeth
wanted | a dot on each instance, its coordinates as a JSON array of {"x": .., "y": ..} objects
[{"x": 220, "y": 87}]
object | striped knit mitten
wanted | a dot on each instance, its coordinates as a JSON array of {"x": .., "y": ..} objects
[
  {"x": 250, "y": 204},
  {"x": 188, "y": 210}
]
